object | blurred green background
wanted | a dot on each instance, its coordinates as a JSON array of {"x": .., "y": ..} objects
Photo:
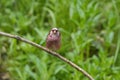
[{"x": 90, "y": 32}]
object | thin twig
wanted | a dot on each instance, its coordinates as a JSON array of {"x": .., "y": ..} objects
[{"x": 49, "y": 51}]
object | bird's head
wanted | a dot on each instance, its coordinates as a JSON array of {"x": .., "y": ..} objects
[{"x": 54, "y": 31}]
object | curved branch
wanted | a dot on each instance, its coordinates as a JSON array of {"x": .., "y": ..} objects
[{"x": 49, "y": 51}]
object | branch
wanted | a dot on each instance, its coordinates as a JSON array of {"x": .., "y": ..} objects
[{"x": 49, "y": 51}]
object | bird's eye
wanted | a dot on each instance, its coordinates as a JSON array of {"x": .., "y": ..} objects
[{"x": 54, "y": 30}]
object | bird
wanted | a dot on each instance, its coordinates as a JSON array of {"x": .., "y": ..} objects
[{"x": 53, "y": 39}]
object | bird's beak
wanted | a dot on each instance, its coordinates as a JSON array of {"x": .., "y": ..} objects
[{"x": 54, "y": 31}]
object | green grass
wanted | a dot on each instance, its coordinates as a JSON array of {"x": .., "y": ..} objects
[{"x": 90, "y": 38}]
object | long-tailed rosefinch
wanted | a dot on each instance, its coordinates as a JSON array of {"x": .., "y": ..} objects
[{"x": 53, "y": 39}]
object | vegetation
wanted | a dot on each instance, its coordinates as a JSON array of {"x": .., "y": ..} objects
[{"x": 90, "y": 38}]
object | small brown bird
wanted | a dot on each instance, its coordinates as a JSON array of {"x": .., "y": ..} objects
[{"x": 53, "y": 39}]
